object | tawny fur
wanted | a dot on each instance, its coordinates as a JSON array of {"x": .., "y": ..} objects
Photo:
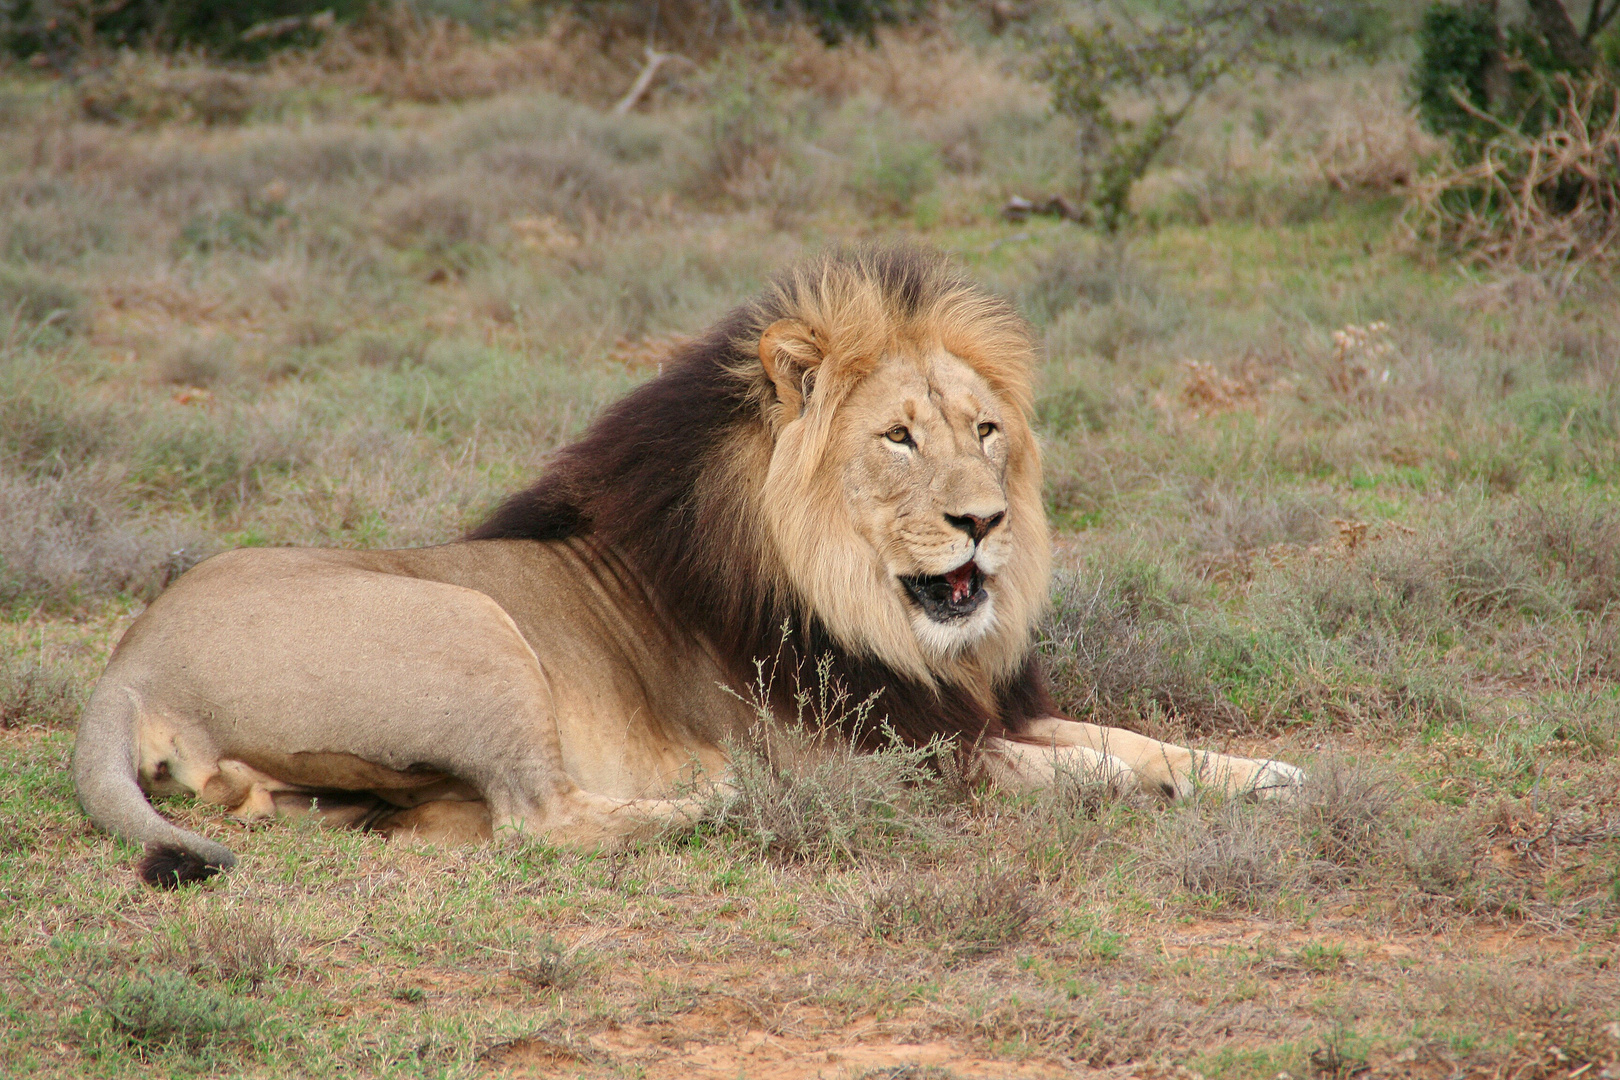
[{"x": 579, "y": 660}]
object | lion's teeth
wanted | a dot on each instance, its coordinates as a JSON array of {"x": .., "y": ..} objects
[{"x": 961, "y": 582}]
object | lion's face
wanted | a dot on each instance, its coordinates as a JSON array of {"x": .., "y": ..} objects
[
  {"x": 904, "y": 498},
  {"x": 925, "y": 482}
]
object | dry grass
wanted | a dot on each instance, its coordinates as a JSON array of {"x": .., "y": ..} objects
[
  {"x": 231, "y": 944},
  {"x": 1374, "y": 142},
  {"x": 1233, "y": 853},
  {"x": 807, "y": 795},
  {"x": 33, "y": 692},
  {"x": 964, "y": 917},
  {"x": 362, "y": 310},
  {"x": 65, "y": 539},
  {"x": 1277, "y": 148},
  {"x": 1442, "y": 857},
  {"x": 1345, "y": 810}
]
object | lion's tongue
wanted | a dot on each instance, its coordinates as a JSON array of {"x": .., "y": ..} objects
[{"x": 961, "y": 582}]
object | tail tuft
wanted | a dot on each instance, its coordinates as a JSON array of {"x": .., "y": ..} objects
[{"x": 169, "y": 866}]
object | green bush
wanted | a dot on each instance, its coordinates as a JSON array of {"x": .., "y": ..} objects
[
  {"x": 1477, "y": 77},
  {"x": 167, "y": 1008},
  {"x": 252, "y": 29},
  {"x": 1363, "y": 27},
  {"x": 238, "y": 29}
]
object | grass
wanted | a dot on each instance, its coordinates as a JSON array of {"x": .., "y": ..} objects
[
  {"x": 964, "y": 918},
  {"x": 354, "y": 302}
]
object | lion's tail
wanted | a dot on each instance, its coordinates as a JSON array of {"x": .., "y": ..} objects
[{"x": 105, "y": 761}]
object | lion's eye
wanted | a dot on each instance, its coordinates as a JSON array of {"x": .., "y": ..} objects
[
  {"x": 898, "y": 434},
  {"x": 986, "y": 429}
]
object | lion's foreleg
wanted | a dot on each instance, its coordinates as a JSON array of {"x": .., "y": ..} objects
[
  {"x": 1026, "y": 767},
  {"x": 1170, "y": 770}
]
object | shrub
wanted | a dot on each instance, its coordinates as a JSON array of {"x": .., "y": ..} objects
[
  {"x": 65, "y": 540},
  {"x": 1075, "y": 274},
  {"x": 825, "y": 801},
  {"x": 1581, "y": 537},
  {"x": 1533, "y": 116},
  {"x": 551, "y": 966},
  {"x": 835, "y": 20},
  {"x": 167, "y": 1008},
  {"x": 1344, "y": 810},
  {"x": 1459, "y": 47},
  {"x": 152, "y": 93},
  {"x": 1548, "y": 200},
  {"x": 1439, "y": 856},
  {"x": 1475, "y": 78},
  {"x": 809, "y": 795},
  {"x": 1227, "y": 849},
  {"x": 1100, "y": 71},
  {"x": 1363, "y": 27},
  {"x": 743, "y": 133},
  {"x": 1113, "y": 647}
]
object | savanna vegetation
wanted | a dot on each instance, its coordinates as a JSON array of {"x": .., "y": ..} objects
[{"x": 1333, "y": 450}]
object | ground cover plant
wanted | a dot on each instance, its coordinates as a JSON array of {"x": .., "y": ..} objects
[{"x": 1318, "y": 493}]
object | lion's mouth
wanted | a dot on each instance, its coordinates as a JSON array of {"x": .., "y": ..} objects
[{"x": 955, "y": 594}]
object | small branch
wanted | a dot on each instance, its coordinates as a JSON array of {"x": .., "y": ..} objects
[
  {"x": 644, "y": 81},
  {"x": 1597, "y": 18},
  {"x": 1477, "y": 113}
]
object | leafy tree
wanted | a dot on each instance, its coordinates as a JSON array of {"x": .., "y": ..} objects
[{"x": 1168, "y": 62}]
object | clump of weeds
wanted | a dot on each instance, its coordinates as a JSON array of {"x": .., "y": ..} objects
[{"x": 962, "y": 918}]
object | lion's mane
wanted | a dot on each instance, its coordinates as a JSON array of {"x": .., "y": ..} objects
[{"x": 671, "y": 477}]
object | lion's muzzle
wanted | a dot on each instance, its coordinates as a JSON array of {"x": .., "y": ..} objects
[{"x": 955, "y": 594}]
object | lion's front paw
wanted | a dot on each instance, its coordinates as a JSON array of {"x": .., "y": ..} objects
[{"x": 1276, "y": 780}]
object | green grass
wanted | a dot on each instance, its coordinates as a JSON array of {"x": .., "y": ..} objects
[{"x": 359, "y": 318}]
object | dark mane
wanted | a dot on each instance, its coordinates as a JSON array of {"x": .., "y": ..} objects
[{"x": 633, "y": 479}]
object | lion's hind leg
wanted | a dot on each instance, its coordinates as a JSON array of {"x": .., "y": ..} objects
[
  {"x": 333, "y": 809},
  {"x": 244, "y": 792},
  {"x": 580, "y": 818},
  {"x": 443, "y": 821}
]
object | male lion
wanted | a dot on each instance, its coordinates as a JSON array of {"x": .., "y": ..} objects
[{"x": 842, "y": 469}]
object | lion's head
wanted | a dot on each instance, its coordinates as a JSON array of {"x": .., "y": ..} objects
[
  {"x": 903, "y": 489},
  {"x": 849, "y": 456}
]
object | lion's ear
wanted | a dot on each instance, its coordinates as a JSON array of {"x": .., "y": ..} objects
[{"x": 790, "y": 352}]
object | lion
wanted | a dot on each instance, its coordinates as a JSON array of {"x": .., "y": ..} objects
[{"x": 842, "y": 469}]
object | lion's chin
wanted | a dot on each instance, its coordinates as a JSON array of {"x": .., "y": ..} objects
[{"x": 947, "y": 639}]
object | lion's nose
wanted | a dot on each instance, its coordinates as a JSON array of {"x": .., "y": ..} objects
[{"x": 975, "y": 526}]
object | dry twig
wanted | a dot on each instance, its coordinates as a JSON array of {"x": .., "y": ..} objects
[
  {"x": 1549, "y": 202},
  {"x": 644, "y": 81}
]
